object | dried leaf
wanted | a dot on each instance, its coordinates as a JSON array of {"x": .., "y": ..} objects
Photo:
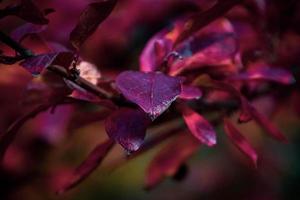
[{"x": 153, "y": 92}]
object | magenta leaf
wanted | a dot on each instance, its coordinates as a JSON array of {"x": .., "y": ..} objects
[
  {"x": 154, "y": 52},
  {"x": 190, "y": 92},
  {"x": 170, "y": 158},
  {"x": 127, "y": 127},
  {"x": 89, "y": 165},
  {"x": 89, "y": 20},
  {"x": 199, "y": 126},
  {"x": 27, "y": 29},
  {"x": 240, "y": 141},
  {"x": 36, "y": 64},
  {"x": 266, "y": 74},
  {"x": 153, "y": 92}
]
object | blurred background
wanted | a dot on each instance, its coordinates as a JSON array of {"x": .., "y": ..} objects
[{"x": 52, "y": 144}]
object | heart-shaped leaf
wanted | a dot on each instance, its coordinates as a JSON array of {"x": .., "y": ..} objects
[
  {"x": 153, "y": 92},
  {"x": 127, "y": 127}
]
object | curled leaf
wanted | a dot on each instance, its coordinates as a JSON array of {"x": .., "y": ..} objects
[
  {"x": 240, "y": 141},
  {"x": 89, "y": 165},
  {"x": 89, "y": 20},
  {"x": 153, "y": 92},
  {"x": 169, "y": 159},
  {"x": 127, "y": 127},
  {"x": 199, "y": 126}
]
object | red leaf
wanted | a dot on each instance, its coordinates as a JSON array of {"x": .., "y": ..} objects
[
  {"x": 89, "y": 165},
  {"x": 127, "y": 127},
  {"x": 240, "y": 141},
  {"x": 267, "y": 125},
  {"x": 90, "y": 19},
  {"x": 153, "y": 92},
  {"x": 170, "y": 158},
  {"x": 199, "y": 126}
]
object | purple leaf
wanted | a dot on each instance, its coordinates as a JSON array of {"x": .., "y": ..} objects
[
  {"x": 190, "y": 92},
  {"x": 27, "y": 29},
  {"x": 93, "y": 160},
  {"x": 240, "y": 141},
  {"x": 127, "y": 127},
  {"x": 153, "y": 92},
  {"x": 36, "y": 64},
  {"x": 266, "y": 74},
  {"x": 89, "y": 20},
  {"x": 170, "y": 158},
  {"x": 199, "y": 126}
]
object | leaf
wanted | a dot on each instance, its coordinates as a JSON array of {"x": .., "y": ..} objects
[
  {"x": 27, "y": 29},
  {"x": 214, "y": 45},
  {"x": 127, "y": 127},
  {"x": 240, "y": 141},
  {"x": 199, "y": 126},
  {"x": 190, "y": 92},
  {"x": 89, "y": 165},
  {"x": 154, "y": 52},
  {"x": 198, "y": 21},
  {"x": 90, "y": 19},
  {"x": 169, "y": 159},
  {"x": 36, "y": 64},
  {"x": 267, "y": 125},
  {"x": 153, "y": 92},
  {"x": 206, "y": 81},
  {"x": 266, "y": 74}
]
